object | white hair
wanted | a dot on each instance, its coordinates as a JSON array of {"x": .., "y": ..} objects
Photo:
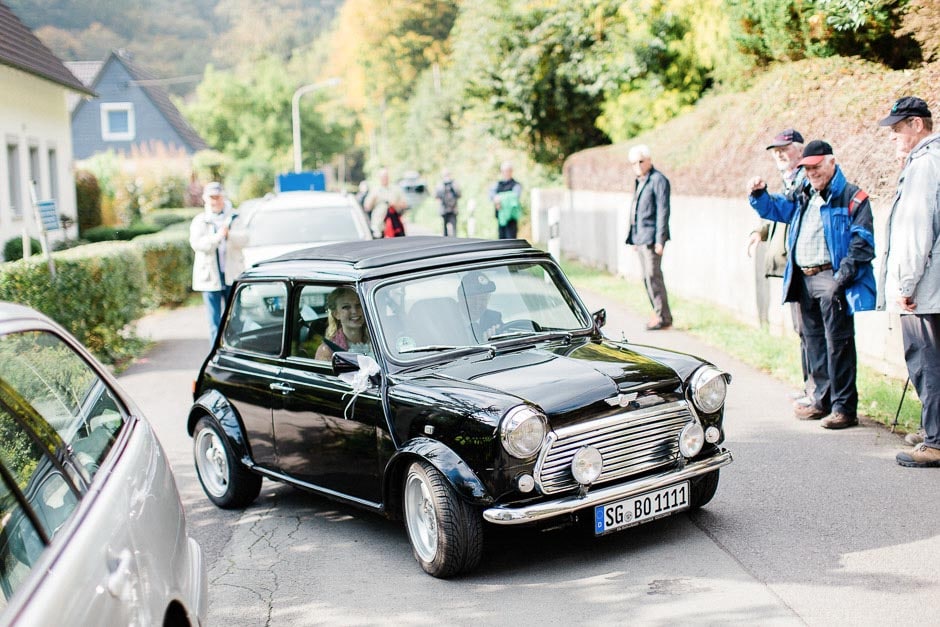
[{"x": 640, "y": 151}]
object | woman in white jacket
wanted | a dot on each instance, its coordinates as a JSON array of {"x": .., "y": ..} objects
[{"x": 218, "y": 250}]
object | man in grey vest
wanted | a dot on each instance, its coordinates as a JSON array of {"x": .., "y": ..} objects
[
  {"x": 649, "y": 231},
  {"x": 910, "y": 272}
]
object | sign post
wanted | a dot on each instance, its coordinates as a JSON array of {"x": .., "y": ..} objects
[{"x": 44, "y": 214}]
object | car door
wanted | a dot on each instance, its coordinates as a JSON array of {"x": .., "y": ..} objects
[
  {"x": 246, "y": 367},
  {"x": 67, "y": 552},
  {"x": 325, "y": 434}
]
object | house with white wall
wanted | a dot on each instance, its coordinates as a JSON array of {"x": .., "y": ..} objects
[{"x": 35, "y": 130}]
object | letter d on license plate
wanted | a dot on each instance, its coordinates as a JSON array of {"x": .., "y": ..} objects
[{"x": 638, "y": 509}]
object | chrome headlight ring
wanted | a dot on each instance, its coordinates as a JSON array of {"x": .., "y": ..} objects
[
  {"x": 709, "y": 389},
  {"x": 522, "y": 431}
]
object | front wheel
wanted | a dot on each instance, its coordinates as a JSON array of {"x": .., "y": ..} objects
[
  {"x": 226, "y": 482},
  {"x": 446, "y": 533},
  {"x": 703, "y": 490}
]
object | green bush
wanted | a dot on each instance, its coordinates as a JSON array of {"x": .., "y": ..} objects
[
  {"x": 13, "y": 248},
  {"x": 97, "y": 292},
  {"x": 87, "y": 200},
  {"x": 119, "y": 233},
  {"x": 166, "y": 217},
  {"x": 168, "y": 261}
]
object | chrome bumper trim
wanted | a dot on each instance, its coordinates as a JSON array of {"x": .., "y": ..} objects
[{"x": 549, "y": 509}]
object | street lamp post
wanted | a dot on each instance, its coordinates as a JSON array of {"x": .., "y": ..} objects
[{"x": 295, "y": 114}]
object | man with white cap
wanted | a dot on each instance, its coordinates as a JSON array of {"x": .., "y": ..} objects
[{"x": 218, "y": 249}]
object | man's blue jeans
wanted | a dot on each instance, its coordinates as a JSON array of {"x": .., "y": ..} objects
[{"x": 215, "y": 305}]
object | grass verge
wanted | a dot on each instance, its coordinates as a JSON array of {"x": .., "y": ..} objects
[{"x": 778, "y": 356}]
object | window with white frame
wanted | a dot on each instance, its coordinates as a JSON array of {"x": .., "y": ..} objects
[
  {"x": 53, "y": 174},
  {"x": 117, "y": 121},
  {"x": 13, "y": 179},
  {"x": 35, "y": 180}
]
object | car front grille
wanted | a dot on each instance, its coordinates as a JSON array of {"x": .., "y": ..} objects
[{"x": 630, "y": 443}]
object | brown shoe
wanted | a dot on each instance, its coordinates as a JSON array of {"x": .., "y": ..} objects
[
  {"x": 659, "y": 326},
  {"x": 921, "y": 456},
  {"x": 838, "y": 420},
  {"x": 808, "y": 412}
]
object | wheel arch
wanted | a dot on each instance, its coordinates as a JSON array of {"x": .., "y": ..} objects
[
  {"x": 215, "y": 406},
  {"x": 445, "y": 460}
]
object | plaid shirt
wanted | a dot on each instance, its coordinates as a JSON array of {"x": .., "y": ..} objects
[{"x": 811, "y": 249}]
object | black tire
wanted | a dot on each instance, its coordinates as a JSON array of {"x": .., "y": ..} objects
[
  {"x": 703, "y": 490},
  {"x": 446, "y": 533},
  {"x": 225, "y": 481}
]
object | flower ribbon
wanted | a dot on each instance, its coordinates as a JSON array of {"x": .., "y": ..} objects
[{"x": 359, "y": 379}]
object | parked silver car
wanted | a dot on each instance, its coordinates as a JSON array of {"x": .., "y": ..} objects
[
  {"x": 289, "y": 221},
  {"x": 92, "y": 530}
]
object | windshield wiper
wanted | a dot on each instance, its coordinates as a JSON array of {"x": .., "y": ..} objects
[
  {"x": 537, "y": 335},
  {"x": 438, "y": 348}
]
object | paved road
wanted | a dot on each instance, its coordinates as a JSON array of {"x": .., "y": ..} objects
[{"x": 808, "y": 527}]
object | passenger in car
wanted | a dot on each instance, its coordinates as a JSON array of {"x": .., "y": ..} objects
[
  {"x": 346, "y": 328},
  {"x": 474, "y": 294}
]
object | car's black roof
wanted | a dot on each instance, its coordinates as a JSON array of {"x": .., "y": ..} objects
[{"x": 388, "y": 256}]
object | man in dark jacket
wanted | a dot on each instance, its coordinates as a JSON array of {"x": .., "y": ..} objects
[
  {"x": 649, "y": 231},
  {"x": 830, "y": 245}
]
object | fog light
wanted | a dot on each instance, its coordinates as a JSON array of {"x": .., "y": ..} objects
[
  {"x": 587, "y": 465},
  {"x": 712, "y": 435},
  {"x": 691, "y": 439},
  {"x": 525, "y": 483}
]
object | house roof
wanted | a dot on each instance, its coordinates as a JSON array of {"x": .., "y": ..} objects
[
  {"x": 21, "y": 49},
  {"x": 147, "y": 81}
]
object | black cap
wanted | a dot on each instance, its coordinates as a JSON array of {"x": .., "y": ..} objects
[
  {"x": 814, "y": 152},
  {"x": 474, "y": 283},
  {"x": 906, "y": 107},
  {"x": 785, "y": 138}
]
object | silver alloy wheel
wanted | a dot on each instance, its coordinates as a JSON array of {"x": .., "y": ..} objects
[
  {"x": 212, "y": 462},
  {"x": 421, "y": 517}
]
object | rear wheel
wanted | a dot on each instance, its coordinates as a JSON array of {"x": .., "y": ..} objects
[
  {"x": 226, "y": 482},
  {"x": 703, "y": 490},
  {"x": 446, "y": 533}
]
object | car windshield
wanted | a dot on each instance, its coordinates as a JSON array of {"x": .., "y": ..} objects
[
  {"x": 469, "y": 308},
  {"x": 301, "y": 225}
]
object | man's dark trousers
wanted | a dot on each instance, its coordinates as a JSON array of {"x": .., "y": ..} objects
[
  {"x": 829, "y": 331},
  {"x": 921, "y": 334},
  {"x": 651, "y": 265}
]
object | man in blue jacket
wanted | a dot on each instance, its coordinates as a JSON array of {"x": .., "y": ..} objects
[{"x": 830, "y": 247}]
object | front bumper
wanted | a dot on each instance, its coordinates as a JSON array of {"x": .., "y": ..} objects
[{"x": 508, "y": 515}]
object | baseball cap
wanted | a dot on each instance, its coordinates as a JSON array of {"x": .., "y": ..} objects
[
  {"x": 814, "y": 152},
  {"x": 906, "y": 107},
  {"x": 213, "y": 189},
  {"x": 474, "y": 283},
  {"x": 785, "y": 138}
]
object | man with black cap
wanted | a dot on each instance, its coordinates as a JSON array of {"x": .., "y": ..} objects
[
  {"x": 786, "y": 150},
  {"x": 830, "y": 246},
  {"x": 910, "y": 272},
  {"x": 474, "y": 294}
]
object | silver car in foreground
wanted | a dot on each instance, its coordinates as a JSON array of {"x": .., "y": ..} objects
[{"x": 92, "y": 530}]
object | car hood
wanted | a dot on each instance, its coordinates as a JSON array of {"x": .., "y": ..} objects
[{"x": 560, "y": 379}]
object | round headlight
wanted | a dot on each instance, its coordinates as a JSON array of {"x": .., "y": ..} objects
[
  {"x": 586, "y": 465},
  {"x": 708, "y": 389},
  {"x": 522, "y": 431},
  {"x": 691, "y": 439}
]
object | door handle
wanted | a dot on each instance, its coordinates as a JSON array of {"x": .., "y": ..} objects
[{"x": 283, "y": 388}]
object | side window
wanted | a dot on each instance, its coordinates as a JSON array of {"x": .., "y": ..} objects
[
  {"x": 330, "y": 318},
  {"x": 62, "y": 388},
  {"x": 35, "y": 496},
  {"x": 256, "y": 319}
]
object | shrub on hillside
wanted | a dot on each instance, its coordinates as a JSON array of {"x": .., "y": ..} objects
[
  {"x": 87, "y": 200},
  {"x": 13, "y": 248}
]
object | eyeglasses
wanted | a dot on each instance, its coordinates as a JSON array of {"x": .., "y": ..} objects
[{"x": 639, "y": 161}]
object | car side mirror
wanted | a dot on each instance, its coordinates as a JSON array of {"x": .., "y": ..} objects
[
  {"x": 356, "y": 369},
  {"x": 600, "y": 318}
]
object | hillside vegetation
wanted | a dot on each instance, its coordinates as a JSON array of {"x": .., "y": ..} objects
[{"x": 715, "y": 148}]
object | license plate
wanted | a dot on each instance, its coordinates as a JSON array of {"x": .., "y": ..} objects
[{"x": 638, "y": 509}]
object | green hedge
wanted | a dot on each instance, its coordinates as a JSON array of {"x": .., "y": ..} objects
[
  {"x": 168, "y": 260},
  {"x": 97, "y": 292},
  {"x": 116, "y": 233}
]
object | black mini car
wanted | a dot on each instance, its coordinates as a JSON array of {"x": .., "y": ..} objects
[{"x": 453, "y": 383}]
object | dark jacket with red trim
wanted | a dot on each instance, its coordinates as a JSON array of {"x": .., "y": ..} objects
[{"x": 847, "y": 226}]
